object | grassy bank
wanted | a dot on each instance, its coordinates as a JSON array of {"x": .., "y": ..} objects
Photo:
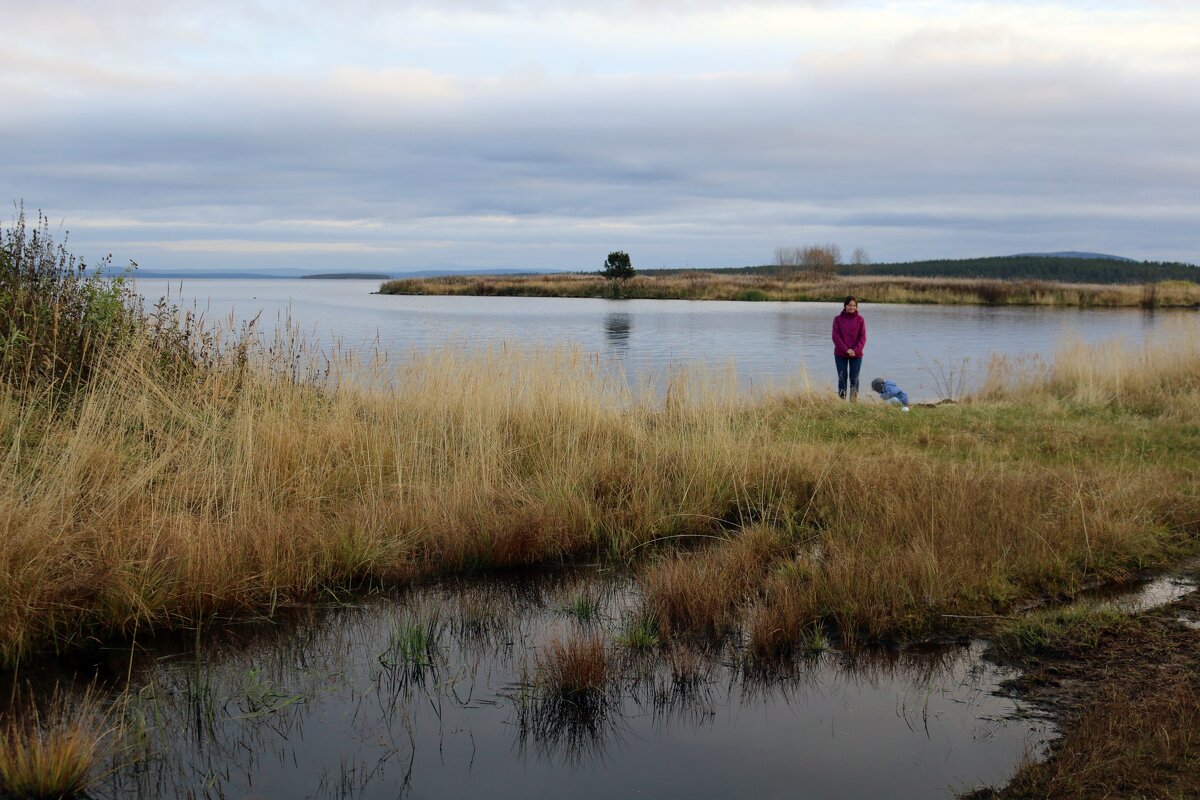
[
  {"x": 813, "y": 287},
  {"x": 159, "y": 496}
]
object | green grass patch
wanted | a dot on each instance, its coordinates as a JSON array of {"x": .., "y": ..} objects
[
  {"x": 413, "y": 643},
  {"x": 640, "y": 632},
  {"x": 1068, "y": 630},
  {"x": 584, "y": 607}
]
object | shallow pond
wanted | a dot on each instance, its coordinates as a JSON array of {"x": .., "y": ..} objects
[
  {"x": 435, "y": 694},
  {"x": 930, "y": 351}
]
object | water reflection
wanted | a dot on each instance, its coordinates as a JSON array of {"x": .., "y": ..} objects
[
  {"x": 435, "y": 693},
  {"x": 571, "y": 731},
  {"x": 617, "y": 325}
]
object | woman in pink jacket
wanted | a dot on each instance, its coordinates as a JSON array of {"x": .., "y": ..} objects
[{"x": 849, "y": 339}]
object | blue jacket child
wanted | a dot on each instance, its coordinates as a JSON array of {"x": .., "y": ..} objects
[{"x": 889, "y": 392}]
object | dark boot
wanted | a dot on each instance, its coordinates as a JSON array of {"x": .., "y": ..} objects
[{"x": 854, "y": 395}]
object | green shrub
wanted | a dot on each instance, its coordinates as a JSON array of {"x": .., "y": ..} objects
[
  {"x": 59, "y": 320},
  {"x": 56, "y": 315}
]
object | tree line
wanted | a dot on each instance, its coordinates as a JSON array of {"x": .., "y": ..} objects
[
  {"x": 826, "y": 259},
  {"x": 1046, "y": 268}
]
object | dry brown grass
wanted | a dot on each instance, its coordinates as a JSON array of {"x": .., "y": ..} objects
[
  {"x": 152, "y": 501},
  {"x": 52, "y": 752},
  {"x": 943, "y": 538},
  {"x": 702, "y": 592},
  {"x": 577, "y": 668},
  {"x": 1148, "y": 379},
  {"x": 786, "y": 617},
  {"x": 814, "y": 287},
  {"x": 907, "y": 544}
]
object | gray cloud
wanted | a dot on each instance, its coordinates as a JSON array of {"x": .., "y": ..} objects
[{"x": 950, "y": 142}]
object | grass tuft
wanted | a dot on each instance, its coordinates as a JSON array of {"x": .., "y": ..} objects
[
  {"x": 53, "y": 753},
  {"x": 576, "y": 669},
  {"x": 640, "y": 632},
  {"x": 584, "y": 607},
  {"x": 413, "y": 643},
  {"x": 1069, "y": 630},
  {"x": 701, "y": 593}
]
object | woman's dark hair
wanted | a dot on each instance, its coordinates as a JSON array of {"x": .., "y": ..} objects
[{"x": 849, "y": 299}]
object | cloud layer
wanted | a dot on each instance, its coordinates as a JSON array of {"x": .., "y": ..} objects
[{"x": 544, "y": 134}]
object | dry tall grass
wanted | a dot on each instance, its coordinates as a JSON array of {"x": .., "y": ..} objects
[
  {"x": 52, "y": 752},
  {"x": 158, "y": 497},
  {"x": 700, "y": 593},
  {"x": 576, "y": 668},
  {"x": 154, "y": 500},
  {"x": 1153, "y": 378}
]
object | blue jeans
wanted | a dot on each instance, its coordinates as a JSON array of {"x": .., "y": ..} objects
[{"x": 848, "y": 367}]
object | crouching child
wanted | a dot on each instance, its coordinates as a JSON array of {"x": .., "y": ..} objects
[{"x": 889, "y": 392}]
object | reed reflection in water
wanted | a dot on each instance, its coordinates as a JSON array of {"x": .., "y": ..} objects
[{"x": 437, "y": 692}]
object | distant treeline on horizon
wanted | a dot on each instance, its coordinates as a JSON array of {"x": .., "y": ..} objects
[
  {"x": 1045, "y": 268},
  {"x": 1060, "y": 269}
]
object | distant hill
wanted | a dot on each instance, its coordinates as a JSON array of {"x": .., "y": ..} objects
[
  {"x": 1078, "y": 254},
  {"x": 211, "y": 274},
  {"x": 1081, "y": 268},
  {"x": 433, "y": 272},
  {"x": 1067, "y": 269},
  {"x": 358, "y": 276},
  {"x": 439, "y": 272}
]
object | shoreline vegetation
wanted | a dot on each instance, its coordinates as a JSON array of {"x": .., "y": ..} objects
[
  {"x": 158, "y": 473},
  {"x": 813, "y": 287},
  {"x": 1125, "y": 692}
]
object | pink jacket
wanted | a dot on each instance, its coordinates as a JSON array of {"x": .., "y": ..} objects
[{"x": 849, "y": 333}]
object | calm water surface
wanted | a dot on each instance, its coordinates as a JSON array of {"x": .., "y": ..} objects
[
  {"x": 329, "y": 705},
  {"x": 920, "y": 347}
]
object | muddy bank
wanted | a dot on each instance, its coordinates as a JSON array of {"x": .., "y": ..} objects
[{"x": 1129, "y": 709}]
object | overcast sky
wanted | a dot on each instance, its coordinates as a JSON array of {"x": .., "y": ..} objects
[{"x": 366, "y": 134}]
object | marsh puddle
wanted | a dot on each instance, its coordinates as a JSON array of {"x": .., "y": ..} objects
[
  {"x": 1161, "y": 592},
  {"x": 431, "y": 694},
  {"x": 1157, "y": 593},
  {"x": 1149, "y": 594}
]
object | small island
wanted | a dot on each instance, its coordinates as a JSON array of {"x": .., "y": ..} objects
[
  {"x": 358, "y": 276},
  {"x": 1038, "y": 280}
]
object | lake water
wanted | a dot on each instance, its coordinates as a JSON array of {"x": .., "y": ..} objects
[{"x": 921, "y": 347}]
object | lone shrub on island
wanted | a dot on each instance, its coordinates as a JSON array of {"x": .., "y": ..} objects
[{"x": 618, "y": 267}]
